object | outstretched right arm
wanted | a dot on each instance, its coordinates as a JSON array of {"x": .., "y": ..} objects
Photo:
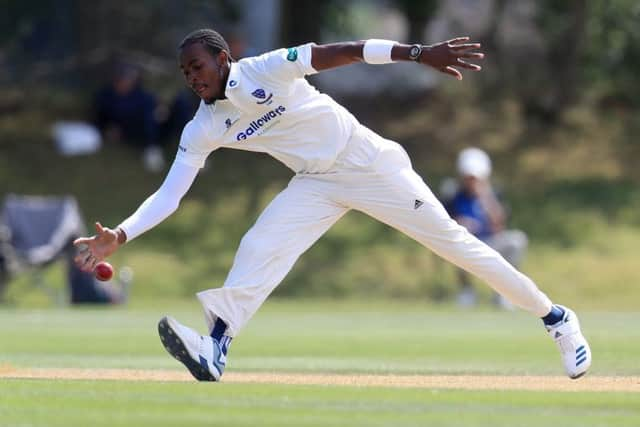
[
  {"x": 151, "y": 212},
  {"x": 445, "y": 56}
]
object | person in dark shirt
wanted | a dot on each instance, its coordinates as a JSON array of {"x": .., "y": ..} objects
[
  {"x": 125, "y": 112},
  {"x": 179, "y": 112},
  {"x": 476, "y": 206}
]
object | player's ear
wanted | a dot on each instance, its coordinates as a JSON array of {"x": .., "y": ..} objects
[{"x": 222, "y": 58}]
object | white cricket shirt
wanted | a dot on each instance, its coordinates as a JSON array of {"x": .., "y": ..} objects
[{"x": 271, "y": 108}]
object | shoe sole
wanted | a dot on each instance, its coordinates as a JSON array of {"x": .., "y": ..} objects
[
  {"x": 578, "y": 376},
  {"x": 176, "y": 348}
]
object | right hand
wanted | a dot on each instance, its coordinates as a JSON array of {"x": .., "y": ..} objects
[
  {"x": 448, "y": 55},
  {"x": 96, "y": 248}
]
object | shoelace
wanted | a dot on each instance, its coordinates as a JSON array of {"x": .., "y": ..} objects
[{"x": 567, "y": 343}]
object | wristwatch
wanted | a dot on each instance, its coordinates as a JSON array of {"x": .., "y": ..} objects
[{"x": 414, "y": 52}]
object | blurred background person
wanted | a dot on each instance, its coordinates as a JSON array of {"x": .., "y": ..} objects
[
  {"x": 176, "y": 115},
  {"x": 125, "y": 112},
  {"x": 476, "y": 206}
]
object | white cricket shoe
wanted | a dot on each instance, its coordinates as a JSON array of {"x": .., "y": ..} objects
[
  {"x": 574, "y": 348},
  {"x": 202, "y": 355}
]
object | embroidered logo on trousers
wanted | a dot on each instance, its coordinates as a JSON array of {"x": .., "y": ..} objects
[{"x": 417, "y": 204}]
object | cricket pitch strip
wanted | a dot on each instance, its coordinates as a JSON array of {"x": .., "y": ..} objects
[{"x": 463, "y": 382}]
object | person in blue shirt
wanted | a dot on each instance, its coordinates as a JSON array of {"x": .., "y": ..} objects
[{"x": 477, "y": 207}]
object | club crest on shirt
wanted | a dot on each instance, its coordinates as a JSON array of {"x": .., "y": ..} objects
[{"x": 261, "y": 94}]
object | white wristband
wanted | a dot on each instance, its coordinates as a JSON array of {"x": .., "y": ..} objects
[{"x": 377, "y": 51}]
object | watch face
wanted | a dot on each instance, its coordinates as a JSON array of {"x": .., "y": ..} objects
[{"x": 415, "y": 51}]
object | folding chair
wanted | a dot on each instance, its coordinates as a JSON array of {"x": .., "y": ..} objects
[{"x": 36, "y": 231}]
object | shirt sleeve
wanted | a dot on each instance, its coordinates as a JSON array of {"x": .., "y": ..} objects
[
  {"x": 285, "y": 65},
  {"x": 162, "y": 203},
  {"x": 195, "y": 143}
]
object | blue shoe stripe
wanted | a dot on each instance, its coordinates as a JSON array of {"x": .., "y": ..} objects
[
  {"x": 579, "y": 348},
  {"x": 203, "y": 363},
  {"x": 579, "y": 354},
  {"x": 218, "y": 356},
  {"x": 581, "y": 360}
]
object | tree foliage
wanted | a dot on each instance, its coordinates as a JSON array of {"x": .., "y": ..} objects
[
  {"x": 418, "y": 14},
  {"x": 611, "y": 60}
]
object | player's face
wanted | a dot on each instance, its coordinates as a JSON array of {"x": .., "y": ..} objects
[
  {"x": 471, "y": 184},
  {"x": 206, "y": 74}
]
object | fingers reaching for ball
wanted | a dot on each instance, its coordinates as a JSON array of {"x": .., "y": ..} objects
[
  {"x": 96, "y": 248},
  {"x": 85, "y": 260}
]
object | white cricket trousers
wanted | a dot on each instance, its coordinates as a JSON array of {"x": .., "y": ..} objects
[{"x": 372, "y": 175}]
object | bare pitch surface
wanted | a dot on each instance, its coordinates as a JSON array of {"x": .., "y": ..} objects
[{"x": 462, "y": 382}]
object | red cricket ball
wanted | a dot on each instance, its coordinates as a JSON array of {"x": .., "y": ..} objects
[{"x": 103, "y": 271}]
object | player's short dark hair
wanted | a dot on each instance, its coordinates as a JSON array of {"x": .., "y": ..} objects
[{"x": 210, "y": 38}]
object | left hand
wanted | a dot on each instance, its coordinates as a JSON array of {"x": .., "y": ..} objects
[{"x": 452, "y": 53}]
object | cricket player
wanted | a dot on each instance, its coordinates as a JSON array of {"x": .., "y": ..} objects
[{"x": 264, "y": 104}]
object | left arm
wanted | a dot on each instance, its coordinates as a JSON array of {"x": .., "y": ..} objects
[
  {"x": 491, "y": 205},
  {"x": 446, "y": 56},
  {"x": 495, "y": 211}
]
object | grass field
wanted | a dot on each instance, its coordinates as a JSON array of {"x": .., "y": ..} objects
[{"x": 315, "y": 340}]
